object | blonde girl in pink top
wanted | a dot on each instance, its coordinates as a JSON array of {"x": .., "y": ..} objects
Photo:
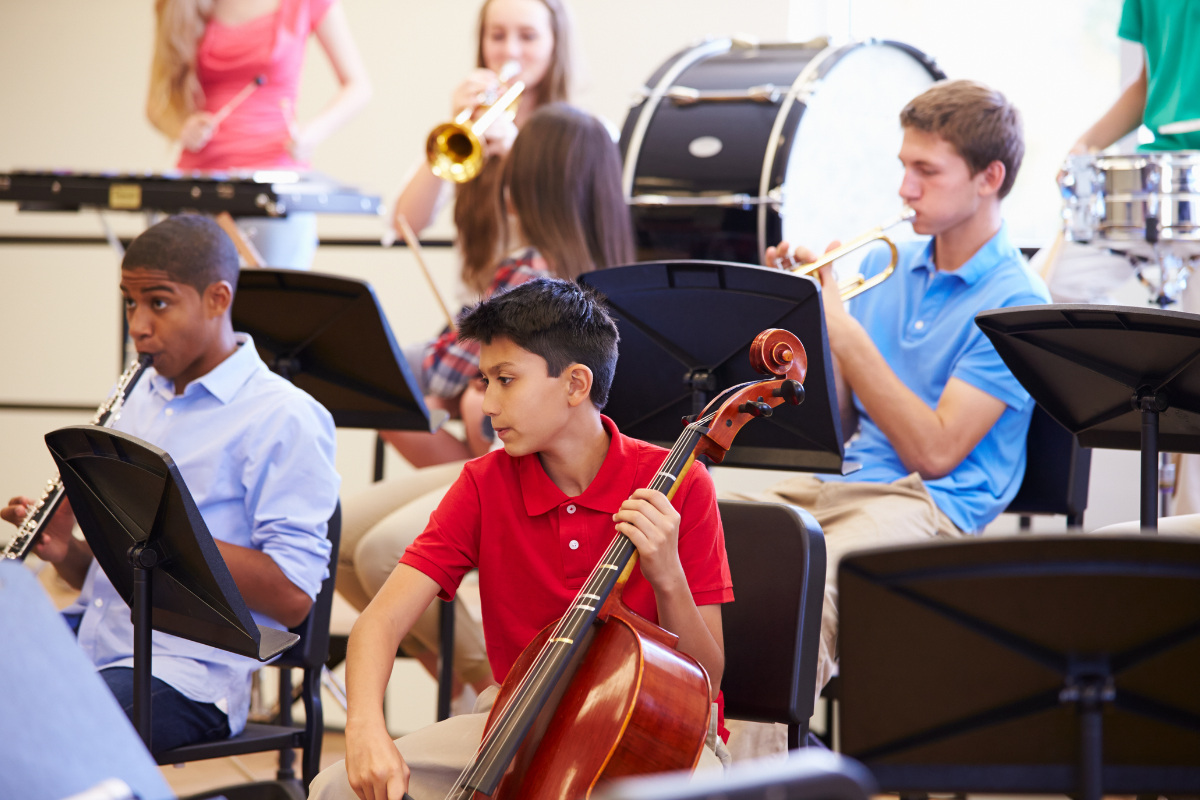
[{"x": 208, "y": 51}]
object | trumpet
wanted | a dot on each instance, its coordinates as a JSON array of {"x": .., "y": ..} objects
[
  {"x": 856, "y": 284},
  {"x": 454, "y": 149}
]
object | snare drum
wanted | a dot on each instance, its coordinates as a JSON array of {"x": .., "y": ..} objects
[
  {"x": 1110, "y": 200},
  {"x": 732, "y": 146}
]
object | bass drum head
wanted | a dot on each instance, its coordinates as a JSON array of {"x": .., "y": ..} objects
[{"x": 843, "y": 175}]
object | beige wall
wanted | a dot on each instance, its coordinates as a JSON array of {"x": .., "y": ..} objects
[{"x": 72, "y": 97}]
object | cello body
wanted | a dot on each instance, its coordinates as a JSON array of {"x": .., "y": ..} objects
[{"x": 633, "y": 705}]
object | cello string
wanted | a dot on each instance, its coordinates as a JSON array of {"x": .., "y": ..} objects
[{"x": 544, "y": 662}]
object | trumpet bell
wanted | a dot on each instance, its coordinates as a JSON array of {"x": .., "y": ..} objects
[{"x": 454, "y": 152}]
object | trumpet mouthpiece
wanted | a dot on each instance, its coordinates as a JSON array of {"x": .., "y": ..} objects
[{"x": 509, "y": 71}]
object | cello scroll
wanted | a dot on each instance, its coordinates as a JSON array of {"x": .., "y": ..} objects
[{"x": 773, "y": 352}]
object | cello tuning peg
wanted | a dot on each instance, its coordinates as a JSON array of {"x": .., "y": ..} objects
[
  {"x": 688, "y": 419},
  {"x": 791, "y": 391},
  {"x": 755, "y": 408}
]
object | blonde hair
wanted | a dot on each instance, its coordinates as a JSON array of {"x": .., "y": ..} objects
[
  {"x": 175, "y": 91},
  {"x": 478, "y": 206}
]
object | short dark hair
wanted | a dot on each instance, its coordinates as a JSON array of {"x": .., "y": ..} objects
[
  {"x": 190, "y": 248},
  {"x": 977, "y": 120},
  {"x": 561, "y": 321}
]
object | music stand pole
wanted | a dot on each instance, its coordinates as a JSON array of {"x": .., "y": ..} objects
[
  {"x": 142, "y": 642},
  {"x": 1151, "y": 404}
]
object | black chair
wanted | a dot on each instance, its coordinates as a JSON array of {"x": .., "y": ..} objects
[
  {"x": 1056, "y": 473},
  {"x": 308, "y": 654},
  {"x": 773, "y": 627}
]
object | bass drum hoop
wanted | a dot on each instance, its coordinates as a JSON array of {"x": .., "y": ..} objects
[{"x": 802, "y": 88}]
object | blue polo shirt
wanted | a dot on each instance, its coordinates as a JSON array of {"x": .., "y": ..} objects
[{"x": 923, "y": 322}]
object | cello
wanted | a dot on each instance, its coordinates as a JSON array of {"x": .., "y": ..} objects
[{"x": 602, "y": 693}]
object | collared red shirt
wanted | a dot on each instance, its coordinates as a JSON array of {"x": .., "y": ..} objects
[
  {"x": 257, "y": 455},
  {"x": 534, "y": 546},
  {"x": 923, "y": 322}
]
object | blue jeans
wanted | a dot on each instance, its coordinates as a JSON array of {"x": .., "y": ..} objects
[{"x": 176, "y": 719}]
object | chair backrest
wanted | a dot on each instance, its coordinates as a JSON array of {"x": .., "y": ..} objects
[
  {"x": 313, "y": 648},
  {"x": 773, "y": 627},
  {"x": 1057, "y": 470}
]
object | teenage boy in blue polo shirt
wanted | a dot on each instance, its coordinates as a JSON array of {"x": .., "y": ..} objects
[{"x": 941, "y": 420}]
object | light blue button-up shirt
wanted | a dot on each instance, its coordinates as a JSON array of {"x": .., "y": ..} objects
[
  {"x": 923, "y": 322},
  {"x": 257, "y": 455}
]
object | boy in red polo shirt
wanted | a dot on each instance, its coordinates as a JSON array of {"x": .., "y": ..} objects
[{"x": 534, "y": 519}]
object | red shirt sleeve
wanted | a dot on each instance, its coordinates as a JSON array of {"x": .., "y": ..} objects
[
  {"x": 448, "y": 548},
  {"x": 702, "y": 540}
]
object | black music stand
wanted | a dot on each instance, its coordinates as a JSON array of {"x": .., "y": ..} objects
[
  {"x": 149, "y": 538},
  {"x": 1026, "y": 664},
  {"x": 1117, "y": 377},
  {"x": 686, "y": 329},
  {"x": 329, "y": 336}
]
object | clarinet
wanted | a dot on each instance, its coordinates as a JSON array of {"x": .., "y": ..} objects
[{"x": 106, "y": 416}]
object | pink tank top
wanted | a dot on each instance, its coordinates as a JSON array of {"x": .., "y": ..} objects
[{"x": 229, "y": 57}]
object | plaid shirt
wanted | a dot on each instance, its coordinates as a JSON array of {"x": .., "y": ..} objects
[{"x": 449, "y": 365}]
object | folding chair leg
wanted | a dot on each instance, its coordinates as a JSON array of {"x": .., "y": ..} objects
[
  {"x": 796, "y": 736},
  {"x": 314, "y": 726},
  {"x": 445, "y": 658},
  {"x": 287, "y": 757}
]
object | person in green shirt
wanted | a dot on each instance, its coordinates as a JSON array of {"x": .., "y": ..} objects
[{"x": 1167, "y": 91}]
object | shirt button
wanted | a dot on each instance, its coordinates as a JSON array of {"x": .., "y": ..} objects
[
  {"x": 918, "y": 324},
  {"x": 574, "y": 544},
  {"x": 170, "y": 411},
  {"x": 571, "y": 510},
  {"x": 99, "y": 603}
]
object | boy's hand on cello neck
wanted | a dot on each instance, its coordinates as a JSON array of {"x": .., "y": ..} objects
[{"x": 652, "y": 524}]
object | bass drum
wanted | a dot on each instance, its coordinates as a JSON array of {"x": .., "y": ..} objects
[{"x": 733, "y": 146}]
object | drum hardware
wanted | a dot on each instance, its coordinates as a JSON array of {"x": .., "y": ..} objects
[
  {"x": 856, "y": 284},
  {"x": 52, "y": 496},
  {"x": 1144, "y": 207},
  {"x": 774, "y": 123},
  {"x": 454, "y": 149},
  {"x": 685, "y": 96},
  {"x": 733, "y": 200}
]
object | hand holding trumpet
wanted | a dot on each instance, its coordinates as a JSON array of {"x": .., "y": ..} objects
[{"x": 784, "y": 256}]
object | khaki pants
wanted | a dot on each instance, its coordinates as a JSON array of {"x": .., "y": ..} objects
[
  {"x": 378, "y": 524},
  {"x": 438, "y": 753},
  {"x": 857, "y": 516}
]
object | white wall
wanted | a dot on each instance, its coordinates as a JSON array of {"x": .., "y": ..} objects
[{"x": 73, "y": 93}]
